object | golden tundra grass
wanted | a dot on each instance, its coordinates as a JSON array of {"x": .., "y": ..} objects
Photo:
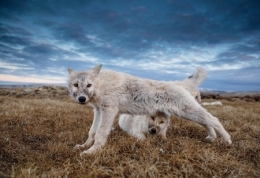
[{"x": 37, "y": 137}]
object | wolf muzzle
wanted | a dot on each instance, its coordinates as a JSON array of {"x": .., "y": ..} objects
[
  {"x": 82, "y": 99},
  {"x": 153, "y": 131}
]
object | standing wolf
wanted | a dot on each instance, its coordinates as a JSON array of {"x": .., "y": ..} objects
[
  {"x": 110, "y": 93},
  {"x": 140, "y": 125}
]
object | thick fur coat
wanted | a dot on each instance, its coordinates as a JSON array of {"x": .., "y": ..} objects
[
  {"x": 140, "y": 126},
  {"x": 110, "y": 93}
]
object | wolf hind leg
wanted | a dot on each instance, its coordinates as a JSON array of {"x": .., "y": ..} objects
[
  {"x": 140, "y": 136},
  {"x": 219, "y": 127},
  {"x": 211, "y": 133},
  {"x": 201, "y": 116}
]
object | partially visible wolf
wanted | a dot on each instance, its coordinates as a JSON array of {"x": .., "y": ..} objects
[
  {"x": 110, "y": 93},
  {"x": 139, "y": 126},
  {"x": 193, "y": 82}
]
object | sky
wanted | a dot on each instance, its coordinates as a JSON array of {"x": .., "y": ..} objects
[{"x": 155, "y": 39}]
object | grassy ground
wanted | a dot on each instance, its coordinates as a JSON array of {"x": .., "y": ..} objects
[{"x": 37, "y": 137}]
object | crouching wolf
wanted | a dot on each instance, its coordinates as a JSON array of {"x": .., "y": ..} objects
[
  {"x": 139, "y": 126},
  {"x": 110, "y": 93}
]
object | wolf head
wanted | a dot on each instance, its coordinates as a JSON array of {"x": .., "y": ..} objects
[
  {"x": 81, "y": 85},
  {"x": 157, "y": 123}
]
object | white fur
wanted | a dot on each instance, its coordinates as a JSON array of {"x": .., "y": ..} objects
[
  {"x": 139, "y": 126},
  {"x": 216, "y": 103},
  {"x": 110, "y": 93},
  {"x": 192, "y": 83}
]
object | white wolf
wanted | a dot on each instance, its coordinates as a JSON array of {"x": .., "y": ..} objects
[
  {"x": 138, "y": 126},
  {"x": 192, "y": 82},
  {"x": 216, "y": 103},
  {"x": 110, "y": 93}
]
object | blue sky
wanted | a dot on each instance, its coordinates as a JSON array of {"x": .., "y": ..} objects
[{"x": 156, "y": 39}]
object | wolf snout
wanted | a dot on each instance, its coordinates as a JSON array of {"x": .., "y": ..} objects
[
  {"x": 82, "y": 99},
  {"x": 153, "y": 131}
]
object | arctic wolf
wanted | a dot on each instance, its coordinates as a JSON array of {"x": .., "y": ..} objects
[
  {"x": 139, "y": 126},
  {"x": 110, "y": 93},
  {"x": 216, "y": 103},
  {"x": 192, "y": 82}
]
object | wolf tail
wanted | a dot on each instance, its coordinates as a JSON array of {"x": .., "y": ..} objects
[{"x": 197, "y": 78}]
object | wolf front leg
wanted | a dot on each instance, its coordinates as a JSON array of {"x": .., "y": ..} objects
[
  {"x": 163, "y": 134},
  {"x": 107, "y": 118},
  {"x": 140, "y": 136},
  {"x": 92, "y": 131}
]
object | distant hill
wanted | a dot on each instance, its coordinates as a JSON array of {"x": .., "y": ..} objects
[
  {"x": 26, "y": 85},
  {"x": 250, "y": 96},
  {"x": 61, "y": 91},
  {"x": 34, "y": 91}
]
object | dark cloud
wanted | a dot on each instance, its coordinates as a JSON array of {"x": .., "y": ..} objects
[
  {"x": 4, "y": 17},
  {"x": 18, "y": 31},
  {"x": 14, "y": 40},
  {"x": 45, "y": 55},
  {"x": 73, "y": 33},
  {"x": 215, "y": 34},
  {"x": 43, "y": 49},
  {"x": 252, "y": 46},
  {"x": 4, "y": 48},
  {"x": 235, "y": 80},
  {"x": 3, "y": 30}
]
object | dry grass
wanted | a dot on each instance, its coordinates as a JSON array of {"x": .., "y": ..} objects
[{"x": 37, "y": 137}]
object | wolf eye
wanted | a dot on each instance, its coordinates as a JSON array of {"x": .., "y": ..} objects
[
  {"x": 152, "y": 117},
  {"x": 89, "y": 85},
  {"x": 76, "y": 85}
]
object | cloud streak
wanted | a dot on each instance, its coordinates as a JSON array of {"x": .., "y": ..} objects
[{"x": 163, "y": 40}]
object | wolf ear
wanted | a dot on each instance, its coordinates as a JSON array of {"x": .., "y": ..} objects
[
  {"x": 70, "y": 71},
  {"x": 96, "y": 70}
]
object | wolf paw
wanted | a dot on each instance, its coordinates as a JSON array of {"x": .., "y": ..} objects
[
  {"x": 78, "y": 147},
  {"x": 82, "y": 154},
  {"x": 87, "y": 152},
  {"x": 229, "y": 141},
  {"x": 210, "y": 138},
  {"x": 90, "y": 151},
  {"x": 164, "y": 137}
]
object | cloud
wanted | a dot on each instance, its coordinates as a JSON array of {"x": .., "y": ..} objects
[
  {"x": 164, "y": 40},
  {"x": 32, "y": 79},
  {"x": 14, "y": 40}
]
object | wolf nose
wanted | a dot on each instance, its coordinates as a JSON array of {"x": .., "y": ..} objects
[
  {"x": 82, "y": 99},
  {"x": 153, "y": 131}
]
